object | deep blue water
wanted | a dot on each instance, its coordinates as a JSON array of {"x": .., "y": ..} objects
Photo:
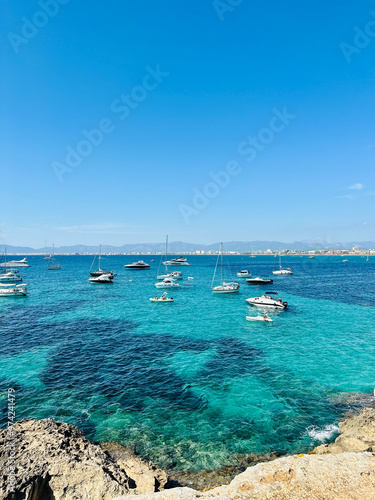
[{"x": 191, "y": 384}]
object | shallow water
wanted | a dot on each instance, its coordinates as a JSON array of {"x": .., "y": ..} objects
[{"x": 192, "y": 384}]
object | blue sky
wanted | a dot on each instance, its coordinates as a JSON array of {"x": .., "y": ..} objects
[{"x": 178, "y": 89}]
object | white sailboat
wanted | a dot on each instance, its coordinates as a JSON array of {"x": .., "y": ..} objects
[
  {"x": 53, "y": 266},
  {"x": 175, "y": 275},
  {"x": 100, "y": 271},
  {"x": 224, "y": 287},
  {"x": 281, "y": 271}
]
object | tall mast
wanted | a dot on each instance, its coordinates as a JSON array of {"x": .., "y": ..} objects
[
  {"x": 222, "y": 270},
  {"x": 166, "y": 254},
  {"x": 100, "y": 255}
]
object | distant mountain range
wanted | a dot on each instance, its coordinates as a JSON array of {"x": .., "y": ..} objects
[{"x": 176, "y": 247}]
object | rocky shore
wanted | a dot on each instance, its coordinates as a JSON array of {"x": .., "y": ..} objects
[{"x": 54, "y": 461}]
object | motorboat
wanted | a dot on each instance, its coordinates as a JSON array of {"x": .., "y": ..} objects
[
  {"x": 163, "y": 298},
  {"x": 311, "y": 257},
  {"x": 100, "y": 271},
  {"x": 346, "y": 260},
  {"x": 244, "y": 274},
  {"x": 167, "y": 283},
  {"x": 180, "y": 261},
  {"x": 259, "y": 281},
  {"x": 15, "y": 263},
  {"x": 226, "y": 288},
  {"x": 175, "y": 275},
  {"x": 282, "y": 271},
  {"x": 13, "y": 290},
  {"x": 269, "y": 299},
  {"x": 11, "y": 276},
  {"x": 264, "y": 318},
  {"x": 137, "y": 265},
  {"x": 103, "y": 278}
]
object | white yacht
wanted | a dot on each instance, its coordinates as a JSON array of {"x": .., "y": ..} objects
[
  {"x": 269, "y": 299},
  {"x": 11, "y": 276},
  {"x": 103, "y": 278},
  {"x": 13, "y": 290},
  {"x": 225, "y": 287},
  {"x": 167, "y": 283},
  {"x": 137, "y": 265},
  {"x": 180, "y": 261},
  {"x": 15, "y": 263},
  {"x": 244, "y": 274}
]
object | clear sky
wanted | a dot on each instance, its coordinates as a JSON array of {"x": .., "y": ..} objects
[{"x": 279, "y": 95}]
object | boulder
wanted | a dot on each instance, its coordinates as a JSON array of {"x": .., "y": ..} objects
[
  {"x": 297, "y": 477},
  {"x": 55, "y": 461},
  {"x": 357, "y": 433}
]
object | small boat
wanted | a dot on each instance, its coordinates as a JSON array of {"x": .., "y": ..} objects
[
  {"x": 180, "y": 261},
  {"x": 346, "y": 260},
  {"x": 13, "y": 290},
  {"x": 259, "y": 281},
  {"x": 137, "y": 265},
  {"x": 11, "y": 276},
  {"x": 311, "y": 257},
  {"x": 163, "y": 298},
  {"x": 103, "y": 278},
  {"x": 167, "y": 283},
  {"x": 269, "y": 299},
  {"x": 260, "y": 318},
  {"x": 244, "y": 274}
]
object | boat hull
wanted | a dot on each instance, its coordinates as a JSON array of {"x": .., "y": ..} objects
[{"x": 259, "y": 282}]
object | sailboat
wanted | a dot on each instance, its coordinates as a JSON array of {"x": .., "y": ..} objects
[
  {"x": 168, "y": 279},
  {"x": 99, "y": 272},
  {"x": 53, "y": 266},
  {"x": 175, "y": 275},
  {"x": 224, "y": 287},
  {"x": 281, "y": 271}
]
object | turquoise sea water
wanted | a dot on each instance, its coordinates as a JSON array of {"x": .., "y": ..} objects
[{"x": 192, "y": 384}]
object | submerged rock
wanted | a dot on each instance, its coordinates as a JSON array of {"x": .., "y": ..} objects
[
  {"x": 204, "y": 479},
  {"x": 55, "y": 461}
]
